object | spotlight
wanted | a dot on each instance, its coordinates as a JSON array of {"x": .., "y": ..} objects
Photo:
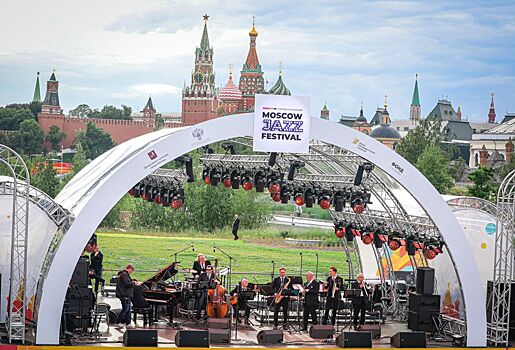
[
  {"x": 272, "y": 159},
  {"x": 274, "y": 187},
  {"x": 247, "y": 183},
  {"x": 188, "y": 163},
  {"x": 214, "y": 177},
  {"x": 394, "y": 244},
  {"x": 205, "y": 176},
  {"x": 410, "y": 246},
  {"x": 324, "y": 201},
  {"x": 339, "y": 230},
  {"x": 166, "y": 196},
  {"x": 276, "y": 197},
  {"x": 349, "y": 234},
  {"x": 235, "y": 179},
  {"x": 309, "y": 198},
  {"x": 158, "y": 198},
  {"x": 293, "y": 166},
  {"x": 299, "y": 199},
  {"x": 227, "y": 181},
  {"x": 259, "y": 180},
  {"x": 359, "y": 176},
  {"x": 430, "y": 253},
  {"x": 358, "y": 205},
  {"x": 338, "y": 201},
  {"x": 379, "y": 238},
  {"x": 366, "y": 239},
  {"x": 285, "y": 194},
  {"x": 208, "y": 150},
  {"x": 177, "y": 203},
  {"x": 229, "y": 147}
]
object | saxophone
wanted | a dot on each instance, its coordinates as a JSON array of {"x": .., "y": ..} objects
[{"x": 279, "y": 296}]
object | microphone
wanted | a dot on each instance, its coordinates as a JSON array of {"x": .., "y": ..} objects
[
  {"x": 192, "y": 248},
  {"x": 214, "y": 250}
]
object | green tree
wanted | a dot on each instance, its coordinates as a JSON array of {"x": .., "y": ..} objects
[
  {"x": 483, "y": 183},
  {"x": 94, "y": 140},
  {"x": 434, "y": 164},
  {"x": 44, "y": 177},
  {"x": 79, "y": 162},
  {"x": 160, "y": 122},
  {"x": 81, "y": 111},
  {"x": 427, "y": 133},
  {"x": 55, "y": 136},
  {"x": 34, "y": 107},
  {"x": 29, "y": 138},
  {"x": 11, "y": 118},
  {"x": 111, "y": 112}
]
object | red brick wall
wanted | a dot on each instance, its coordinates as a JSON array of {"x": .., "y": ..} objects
[{"x": 120, "y": 130}]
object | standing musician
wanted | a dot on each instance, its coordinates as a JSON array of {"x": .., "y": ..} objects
[
  {"x": 205, "y": 279},
  {"x": 279, "y": 284},
  {"x": 359, "y": 304},
  {"x": 243, "y": 286},
  {"x": 200, "y": 264},
  {"x": 334, "y": 284},
  {"x": 310, "y": 292}
]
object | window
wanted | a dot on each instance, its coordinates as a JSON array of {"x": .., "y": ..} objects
[
  {"x": 398, "y": 128},
  {"x": 406, "y": 128}
]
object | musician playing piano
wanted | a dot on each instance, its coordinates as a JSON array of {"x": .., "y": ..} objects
[
  {"x": 359, "y": 304},
  {"x": 310, "y": 292},
  {"x": 334, "y": 284},
  {"x": 279, "y": 284},
  {"x": 200, "y": 264},
  {"x": 243, "y": 286},
  {"x": 206, "y": 278}
]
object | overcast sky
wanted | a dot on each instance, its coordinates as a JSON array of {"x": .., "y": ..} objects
[{"x": 345, "y": 53}]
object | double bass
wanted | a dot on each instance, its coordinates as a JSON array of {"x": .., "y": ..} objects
[{"x": 217, "y": 305}]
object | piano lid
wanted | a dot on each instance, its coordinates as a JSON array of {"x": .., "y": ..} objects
[{"x": 163, "y": 275}]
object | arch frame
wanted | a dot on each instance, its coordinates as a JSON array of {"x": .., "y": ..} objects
[{"x": 85, "y": 197}]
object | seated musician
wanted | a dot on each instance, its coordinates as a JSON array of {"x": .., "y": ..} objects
[
  {"x": 243, "y": 286},
  {"x": 138, "y": 299},
  {"x": 334, "y": 284},
  {"x": 279, "y": 284},
  {"x": 206, "y": 278},
  {"x": 310, "y": 292},
  {"x": 200, "y": 264},
  {"x": 359, "y": 304}
]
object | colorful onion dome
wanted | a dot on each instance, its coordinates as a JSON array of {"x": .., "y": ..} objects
[{"x": 230, "y": 91}]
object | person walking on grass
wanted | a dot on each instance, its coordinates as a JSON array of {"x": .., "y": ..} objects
[{"x": 235, "y": 227}]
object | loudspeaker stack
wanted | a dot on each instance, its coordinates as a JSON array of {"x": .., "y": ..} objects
[
  {"x": 270, "y": 337},
  {"x": 192, "y": 339},
  {"x": 354, "y": 340}
]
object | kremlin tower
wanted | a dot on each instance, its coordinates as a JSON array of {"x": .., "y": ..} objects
[
  {"x": 491, "y": 113},
  {"x": 414, "y": 111},
  {"x": 51, "y": 103},
  {"x": 199, "y": 100},
  {"x": 149, "y": 113},
  {"x": 230, "y": 97},
  {"x": 251, "y": 78}
]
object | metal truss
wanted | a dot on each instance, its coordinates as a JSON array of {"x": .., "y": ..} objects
[
  {"x": 19, "y": 235},
  {"x": 499, "y": 328},
  {"x": 465, "y": 203},
  {"x": 166, "y": 178}
]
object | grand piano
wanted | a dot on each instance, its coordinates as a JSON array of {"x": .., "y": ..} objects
[{"x": 158, "y": 292}]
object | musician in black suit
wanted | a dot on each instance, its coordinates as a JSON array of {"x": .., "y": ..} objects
[
  {"x": 205, "y": 279},
  {"x": 243, "y": 286},
  {"x": 334, "y": 285},
  {"x": 278, "y": 284},
  {"x": 359, "y": 304},
  {"x": 200, "y": 264},
  {"x": 310, "y": 292}
]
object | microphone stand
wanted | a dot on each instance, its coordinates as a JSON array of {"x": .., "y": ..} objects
[
  {"x": 300, "y": 264},
  {"x": 273, "y": 270},
  {"x": 316, "y": 268},
  {"x": 180, "y": 251},
  {"x": 229, "y": 284}
]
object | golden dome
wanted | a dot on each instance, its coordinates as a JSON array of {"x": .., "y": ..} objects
[{"x": 253, "y": 31}]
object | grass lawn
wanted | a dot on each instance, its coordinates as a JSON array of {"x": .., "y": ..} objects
[{"x": 151, "y": 252}]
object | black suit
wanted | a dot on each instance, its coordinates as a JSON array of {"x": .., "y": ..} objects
[
  {"x": 198, "y": 268},
  {"x": 310, "y": 302},
  {"x": 242, "y": 302},
  {"x": 333, "y": 298},
  {"x": 201, "y": 302},
  {"x": 235, "y": 227},
  {"x": 277, "y": 284},
  {"x": 359, "y": 304}
]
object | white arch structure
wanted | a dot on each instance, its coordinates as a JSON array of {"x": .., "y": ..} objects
[{"x": 97, "y": 188}]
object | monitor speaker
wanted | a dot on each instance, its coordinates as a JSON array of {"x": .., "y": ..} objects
[
  {"x": 321, "y": 331},
  {"x": 270, "y": 337},
  {"x": 140, "y": 337},
  {"x": 425, "y": 280},
  {"x": 409, "y": 340},
  {"x": 81, "y": 273},
  {"x": 192, "y": 339},
  {"x": 219, "y": 336},
  {"x": 354, "y": 340}
]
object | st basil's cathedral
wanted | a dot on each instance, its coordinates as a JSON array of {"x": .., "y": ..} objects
[{"x": 202, "y": 100}]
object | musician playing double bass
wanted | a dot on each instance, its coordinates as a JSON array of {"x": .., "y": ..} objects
[
  {"x": 310, "y": 292},
  {"x": 205, "y": 278},
  {"x": 334, "y": 284},
  {"x": 279, "y": 284},
  {"x": 243, "y": 286},
  {"x": 359, "y": 304}
]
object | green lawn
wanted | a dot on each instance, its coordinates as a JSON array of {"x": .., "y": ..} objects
[{"x": 150, "y": 252}]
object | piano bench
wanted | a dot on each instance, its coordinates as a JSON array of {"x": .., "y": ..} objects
[{"x": 145, "y": 311}]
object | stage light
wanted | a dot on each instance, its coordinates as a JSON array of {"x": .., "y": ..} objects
[
  {"x": 158, "y": 199},
  {"x": 294, "y": 166},
  {"x": 309, "y": 198},
  {"x": 177, "y": 203},
  {"x": 229, "y": 147},
  {"x": 272, "y": 159},
  {"x": 394, "y": 244},
  {"x": 359, "y": 176},
  {"x": 214, "y": 177},
  {"x": 274, "y": 187},
  {"x": 247, "y": 185},
  {"x": 366, "y": 239},
  {"x": 338, "y": 201},
  {"x": 285, "y": 194},
  {"x": 410, "y": 246},
  {"x": 227, "y": 182},
  {"x": 235, "y": 179},
  {"x": 357, "y": 205},
  {"x": 349, "y": 234},
  {"x": 339, "y": 233},
  {"x": 378, "y": 242},
  {"x": 324, "y": 201},
  {"x": 430, "y": 254},
  {"x": 259, "y": 180},
  {"x": 276, "y": 197},
  {"x": 205, "y": 176},
  {"x": 188, "y": 164},
  {"x": 299, "y": 199},
  {"x": 208, "y": 150}
]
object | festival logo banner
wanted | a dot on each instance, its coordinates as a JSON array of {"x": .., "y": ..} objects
[{"x": 282, "y": 124}]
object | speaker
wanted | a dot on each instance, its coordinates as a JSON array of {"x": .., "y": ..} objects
[
  {"x": 321, "y": 331},
  {"x": 219, "y": 336},
  {"x": 192, "y": 339},
  {"x": 218, "y": 323},
  {"x": 354, "y": 340},
  {"x": 425, "y": 280},
  {"x": 81, "y": 273},
  {"x": 270, "y": 337},
  {"x": 140, "y": 337},
  {"x": 374, "y": 329},
  {"x": 409, "y": 340},
  {"x": 422, "y": 308}
]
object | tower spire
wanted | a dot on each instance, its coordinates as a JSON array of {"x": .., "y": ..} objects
[
  {"x": 415, "y": 111},
  {"x": 491, "y": 113},
  {"x": 204, "y": 42},
  {"x": 37, "y": 91},
  {"x": 415, "y": 101}
]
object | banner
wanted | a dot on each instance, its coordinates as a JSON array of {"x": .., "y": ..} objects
[{"x": 282, "y": 124}]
